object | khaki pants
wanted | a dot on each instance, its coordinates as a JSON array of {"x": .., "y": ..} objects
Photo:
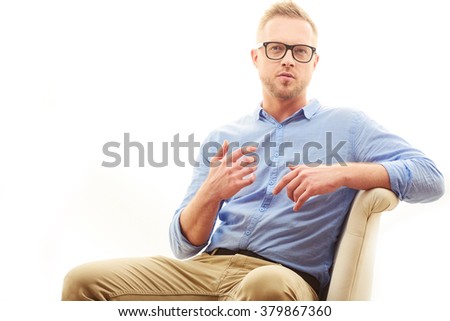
[{"x": 204, "y": 277}]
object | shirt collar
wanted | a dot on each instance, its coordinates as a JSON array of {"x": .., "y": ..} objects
[
  {"x": 308, "y": 111},
  {"x": 312, "y": 108}
]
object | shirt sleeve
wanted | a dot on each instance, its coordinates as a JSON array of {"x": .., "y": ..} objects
[
  {"x": 413, "y": 177},
  {"x": 180, "y": 245}
]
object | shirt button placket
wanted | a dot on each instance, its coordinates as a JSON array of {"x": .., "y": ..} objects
[{"x": 268, "y": 196}]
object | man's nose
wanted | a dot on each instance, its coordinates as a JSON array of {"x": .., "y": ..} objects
[{"x": 288, "y": 59}]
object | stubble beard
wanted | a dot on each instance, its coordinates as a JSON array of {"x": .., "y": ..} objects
[{"x": 283, "y": 91}]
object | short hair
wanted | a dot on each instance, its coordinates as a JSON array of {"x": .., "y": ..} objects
[{"x": 286, "y": 9}]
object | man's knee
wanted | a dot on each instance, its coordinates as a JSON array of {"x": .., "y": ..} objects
[
  {"x": 80, "y": 284},
  {"x": 265, "y": 283},
  {"x": 273, "y": 283}
]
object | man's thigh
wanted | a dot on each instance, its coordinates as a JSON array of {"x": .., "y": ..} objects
[
  {"x": 205, "y": 277},
  {"x": 150, "y": 278}
]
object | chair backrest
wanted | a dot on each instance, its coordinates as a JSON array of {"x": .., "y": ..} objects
[{"x": 352, "y": 273}]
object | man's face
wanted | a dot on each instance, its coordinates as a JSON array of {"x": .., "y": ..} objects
[{"x": 286, "y": 78}]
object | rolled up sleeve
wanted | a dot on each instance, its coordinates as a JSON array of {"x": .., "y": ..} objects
[
  {"x": 413, "y": 176},
  {"x": 415, "y": 180},
  {"x": 180, "y": 245}
]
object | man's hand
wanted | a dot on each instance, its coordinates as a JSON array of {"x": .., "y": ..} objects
[
  {"x": 229, "y": 173},
  {"x": 303, "y": 182}
]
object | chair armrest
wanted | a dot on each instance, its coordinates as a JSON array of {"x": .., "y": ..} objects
[{"x": 355, "y": 252}]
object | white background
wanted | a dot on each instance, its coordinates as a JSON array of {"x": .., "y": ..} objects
[{"x": 77, "y": 74}]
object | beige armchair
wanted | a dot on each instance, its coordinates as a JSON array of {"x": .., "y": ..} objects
[{"x": 352, "y": 273}]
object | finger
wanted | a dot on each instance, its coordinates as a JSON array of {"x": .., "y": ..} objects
[
  {"x": 238, "y": 153},
  {"x": 292, "y": 167},
  {"x": 294, "y": 188},
  {"x": 245, "y": 171},
  {"x": 286, "y": 179},
  {"x": 248, "y": 179},
  {"x": 220, "y": 153},
  {"x": 247, "y": 161},
  {"x": 301, "y": 201},
  {"x": 239, "y": 183},
  {"x": 222, "y": 150}
]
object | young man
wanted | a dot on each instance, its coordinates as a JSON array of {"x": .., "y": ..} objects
[{"x": 280, "y": 198}]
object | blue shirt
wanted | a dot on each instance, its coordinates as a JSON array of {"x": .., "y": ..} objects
[{"x": 256, "y": 220}]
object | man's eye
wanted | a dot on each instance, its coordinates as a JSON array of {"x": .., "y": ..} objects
[
  {"x": 276, "y": 48},
  {"x": 300, "y": 51}
]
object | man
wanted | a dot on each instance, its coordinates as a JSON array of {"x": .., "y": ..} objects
[{"x": 265, "y": 211}]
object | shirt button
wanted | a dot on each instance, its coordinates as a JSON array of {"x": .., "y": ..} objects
[
  {"x": 247, "y": 233},
  {"x": 279, "y": 126}
]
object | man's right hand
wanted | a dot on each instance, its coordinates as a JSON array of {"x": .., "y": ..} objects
[
  {"x": 228, "y": 174},
  {"x": 231, "y": 172}
]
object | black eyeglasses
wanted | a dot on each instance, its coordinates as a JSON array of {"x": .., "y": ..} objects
[{"x": 277, "y": 51}]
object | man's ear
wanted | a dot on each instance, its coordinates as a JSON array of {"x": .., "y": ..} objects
[
  {"x": 254, "y": 54},
  {"x": 316, "y": 60}
]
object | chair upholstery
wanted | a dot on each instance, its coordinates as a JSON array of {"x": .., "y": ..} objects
[{"x": 352, "y": 273}]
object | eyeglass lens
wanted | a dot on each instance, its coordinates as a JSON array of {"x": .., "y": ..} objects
[{"x": 276, "y": 50}]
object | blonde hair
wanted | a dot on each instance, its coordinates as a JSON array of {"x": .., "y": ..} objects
[{"x": 285, "y": 9}]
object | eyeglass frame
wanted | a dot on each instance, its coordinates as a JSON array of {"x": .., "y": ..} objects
[{"x": 288, "y": 47}]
